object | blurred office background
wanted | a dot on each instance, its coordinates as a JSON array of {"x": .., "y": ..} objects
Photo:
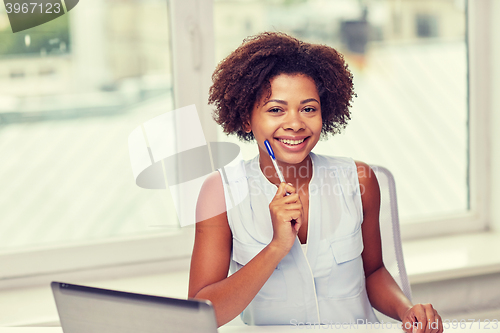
[{"x": 73, "y": 89}]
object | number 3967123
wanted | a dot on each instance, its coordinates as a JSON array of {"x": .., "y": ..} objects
[{"x": 33, "y": 7}]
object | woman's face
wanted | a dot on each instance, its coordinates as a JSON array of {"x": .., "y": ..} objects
[{"x": 290, "y": 119}]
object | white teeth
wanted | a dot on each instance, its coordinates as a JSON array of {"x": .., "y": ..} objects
[{"x": 292, "y": 142}]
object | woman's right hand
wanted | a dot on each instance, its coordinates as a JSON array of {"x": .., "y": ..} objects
[
  {"x": 213, "y": 244},
  {"x": 286, "y": 215}
]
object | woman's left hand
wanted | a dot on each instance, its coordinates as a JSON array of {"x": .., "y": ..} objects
[{"x": 422, "y": 318}]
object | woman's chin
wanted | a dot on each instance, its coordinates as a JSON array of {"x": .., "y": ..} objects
[{"x": 298, "y": 159}]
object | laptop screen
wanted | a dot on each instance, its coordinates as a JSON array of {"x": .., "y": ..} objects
[{"x": 84, "y": 309}]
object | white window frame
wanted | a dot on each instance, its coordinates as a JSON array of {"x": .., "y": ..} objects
[
  {"x": 478, "y": 219},
  {"x": 494, "y": 136}
]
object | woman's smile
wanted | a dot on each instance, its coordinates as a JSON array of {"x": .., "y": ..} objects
[{"x": 292, "y": 144}]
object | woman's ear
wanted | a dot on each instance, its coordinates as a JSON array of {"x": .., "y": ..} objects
[{"x": 247, "y": 127}]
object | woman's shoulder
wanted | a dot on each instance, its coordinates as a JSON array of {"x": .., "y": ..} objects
[
  {"x": 365, "y": 171},
  {"x": 211, "y": 201},
  {"x": 212, "y": 197},
  {"x": 367, "y": 181},
  {"x": 212, "y": 182}
]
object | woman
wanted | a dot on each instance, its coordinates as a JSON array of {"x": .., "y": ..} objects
[{"x": 304, "y": 250}]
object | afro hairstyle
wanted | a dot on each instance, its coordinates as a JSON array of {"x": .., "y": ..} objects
[{"x": 244, "y": 76}]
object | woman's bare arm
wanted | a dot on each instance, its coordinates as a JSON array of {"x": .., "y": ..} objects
[
  {"x": 383, "y": 292},
  {"x": 212, "y": 254}
]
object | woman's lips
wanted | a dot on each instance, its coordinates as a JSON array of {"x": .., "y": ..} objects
[{"x": 292, "y": 147}]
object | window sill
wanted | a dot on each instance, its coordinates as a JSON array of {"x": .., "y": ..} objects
[
  {"x": 426, "y": 261},
  {"x": 451, "y": 257},
  {"x": 35, "y": 306}
]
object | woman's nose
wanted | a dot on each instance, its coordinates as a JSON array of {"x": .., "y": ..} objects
[{"x": 293, "y": 121}]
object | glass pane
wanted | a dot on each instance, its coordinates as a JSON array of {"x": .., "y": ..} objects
[
  {"x": 409, "y": 60},
  {"x": 71, "y": 91}
]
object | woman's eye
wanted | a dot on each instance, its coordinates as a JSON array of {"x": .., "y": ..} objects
[
  {"x": 307, "y": 110},
  {"x": 274, "y": 110}
]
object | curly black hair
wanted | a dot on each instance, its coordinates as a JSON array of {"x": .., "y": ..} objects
[{"x": 241, "y": 78}]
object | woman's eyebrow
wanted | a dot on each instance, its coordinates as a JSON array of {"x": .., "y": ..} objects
[
  {"x": 280, "y": 101},
  {"x": 309, "y": 100}
]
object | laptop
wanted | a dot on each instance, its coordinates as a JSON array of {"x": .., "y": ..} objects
[{"x": 84, "y": 309}]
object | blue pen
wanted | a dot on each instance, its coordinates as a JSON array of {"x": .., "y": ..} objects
[
  {"x": 280, "y": 175},
  {"x": 271, "y": 154}
]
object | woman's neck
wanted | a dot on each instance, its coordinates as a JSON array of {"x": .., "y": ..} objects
[{"x": 296, "y": 174}]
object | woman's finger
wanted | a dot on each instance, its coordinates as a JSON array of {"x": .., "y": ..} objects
[
  {"x": 281, "y": 192},
  {"x": 288, "y": 215},
  {"x": 293, "y": 206},
  {"x": 431, "y": 318},
  {"x": 421, "y": 319},
  {"x": 290, "y": 189},
  {"x": 286, "y": 200}
]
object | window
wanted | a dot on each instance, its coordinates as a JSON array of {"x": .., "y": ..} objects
[
  {"x": 77, "y": 89},
  {"x": 71, "y": 91}
]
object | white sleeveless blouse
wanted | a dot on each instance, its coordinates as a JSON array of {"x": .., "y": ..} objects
[{"x": 326, "y": 284}]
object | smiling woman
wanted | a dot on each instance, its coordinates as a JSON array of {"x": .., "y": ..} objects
[{"x": 298, "y": 249}]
